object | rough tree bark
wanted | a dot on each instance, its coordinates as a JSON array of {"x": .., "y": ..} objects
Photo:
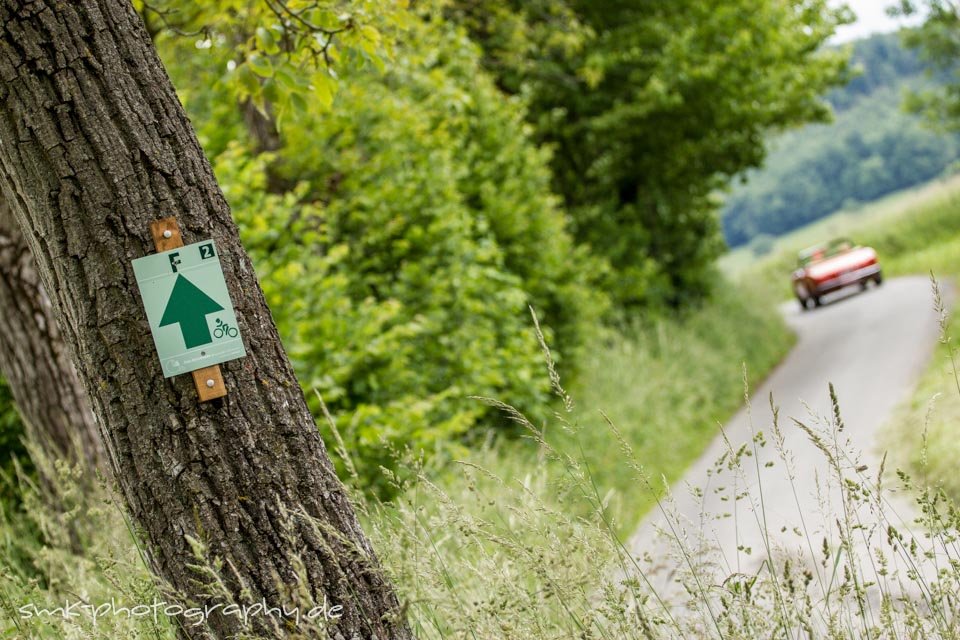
[
  {"x": 94, "y": 145},
  {"x": 35, "y": 361}
]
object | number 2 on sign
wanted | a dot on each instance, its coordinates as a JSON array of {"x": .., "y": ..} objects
[{"x": 206, "y": 251}]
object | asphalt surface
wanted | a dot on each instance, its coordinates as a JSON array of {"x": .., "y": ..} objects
[{"x": 872, "y": 346}]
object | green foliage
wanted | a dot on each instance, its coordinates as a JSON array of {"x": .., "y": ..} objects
[
  {"x": 879, "y": 62},
  {"x": 386, "y": 177},
  {"x": 400, "y": 237},
  {"x": 871, "y": 149},
  {"x": 938, "y": 41},
  {"x": 651, "y": 108},
  {"x": 283, "y": 52}
]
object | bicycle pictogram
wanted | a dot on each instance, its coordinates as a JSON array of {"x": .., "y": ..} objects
[{"x": 223, "y": 329}]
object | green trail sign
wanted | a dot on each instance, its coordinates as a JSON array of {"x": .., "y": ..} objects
[{"x": 188, "y": 308}]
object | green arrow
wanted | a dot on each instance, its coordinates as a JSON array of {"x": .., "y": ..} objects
[{"x": 188, "y": 306}]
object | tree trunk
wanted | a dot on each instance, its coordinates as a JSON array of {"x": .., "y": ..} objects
[
  {"x": 94, "y": 145},
  {"x": 34, "y": 359}
]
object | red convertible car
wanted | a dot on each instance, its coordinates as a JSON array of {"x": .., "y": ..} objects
[{"x": 832, "y": 266}]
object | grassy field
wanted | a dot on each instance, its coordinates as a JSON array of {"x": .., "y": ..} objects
[
  {"x": 661, "y": 389},
  {"x": 522, "y": 542},
  {"x": 477, "y": 543},
  {"x": 923, "y": 435}
]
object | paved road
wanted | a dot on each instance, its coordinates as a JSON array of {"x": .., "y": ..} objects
[{"x": 872, "y": 346}]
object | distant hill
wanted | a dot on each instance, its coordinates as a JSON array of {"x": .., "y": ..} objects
[{"x": 871, "y": 149}]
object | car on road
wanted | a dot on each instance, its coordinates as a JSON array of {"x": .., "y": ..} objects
[{"x": 831, "y": 266}]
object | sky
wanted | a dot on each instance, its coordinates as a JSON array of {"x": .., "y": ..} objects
[{"x": 871, "y": 18}]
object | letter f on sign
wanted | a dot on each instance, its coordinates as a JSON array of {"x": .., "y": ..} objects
[{"x": 174, "y": 261}]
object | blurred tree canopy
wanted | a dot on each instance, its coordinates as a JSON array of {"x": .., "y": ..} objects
[
  {"x": 879, "y": 62},
  {"x": 938, "y": 41},
  {"x": 871, "y": 149},
  {"x": 651, "y": 108},
  {"x": 408, "y": 179}
]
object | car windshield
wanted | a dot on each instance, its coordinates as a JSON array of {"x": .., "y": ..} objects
[{"x": 824, "y": 251}]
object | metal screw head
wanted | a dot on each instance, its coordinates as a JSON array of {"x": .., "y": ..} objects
[
  {"x": 210, "y": 383},
  {"x": 168, "y": 234}
]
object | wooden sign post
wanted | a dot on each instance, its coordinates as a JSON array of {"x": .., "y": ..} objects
[{"x": 208, "y": 380}]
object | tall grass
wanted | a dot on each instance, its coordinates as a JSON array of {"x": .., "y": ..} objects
[
  {"x": 667, "y": 384},
  {"x": 484, "y": 552},
  {"x": 502, "y": 557},
  {"x": 668, "y": 381},
  {"x": 925, "y": 239},
  {"x": 923, "y": 433},
  {"x": 68, "y": 541}
]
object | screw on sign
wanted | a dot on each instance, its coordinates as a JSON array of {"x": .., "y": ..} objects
[{"x": 188, "y": 308}]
